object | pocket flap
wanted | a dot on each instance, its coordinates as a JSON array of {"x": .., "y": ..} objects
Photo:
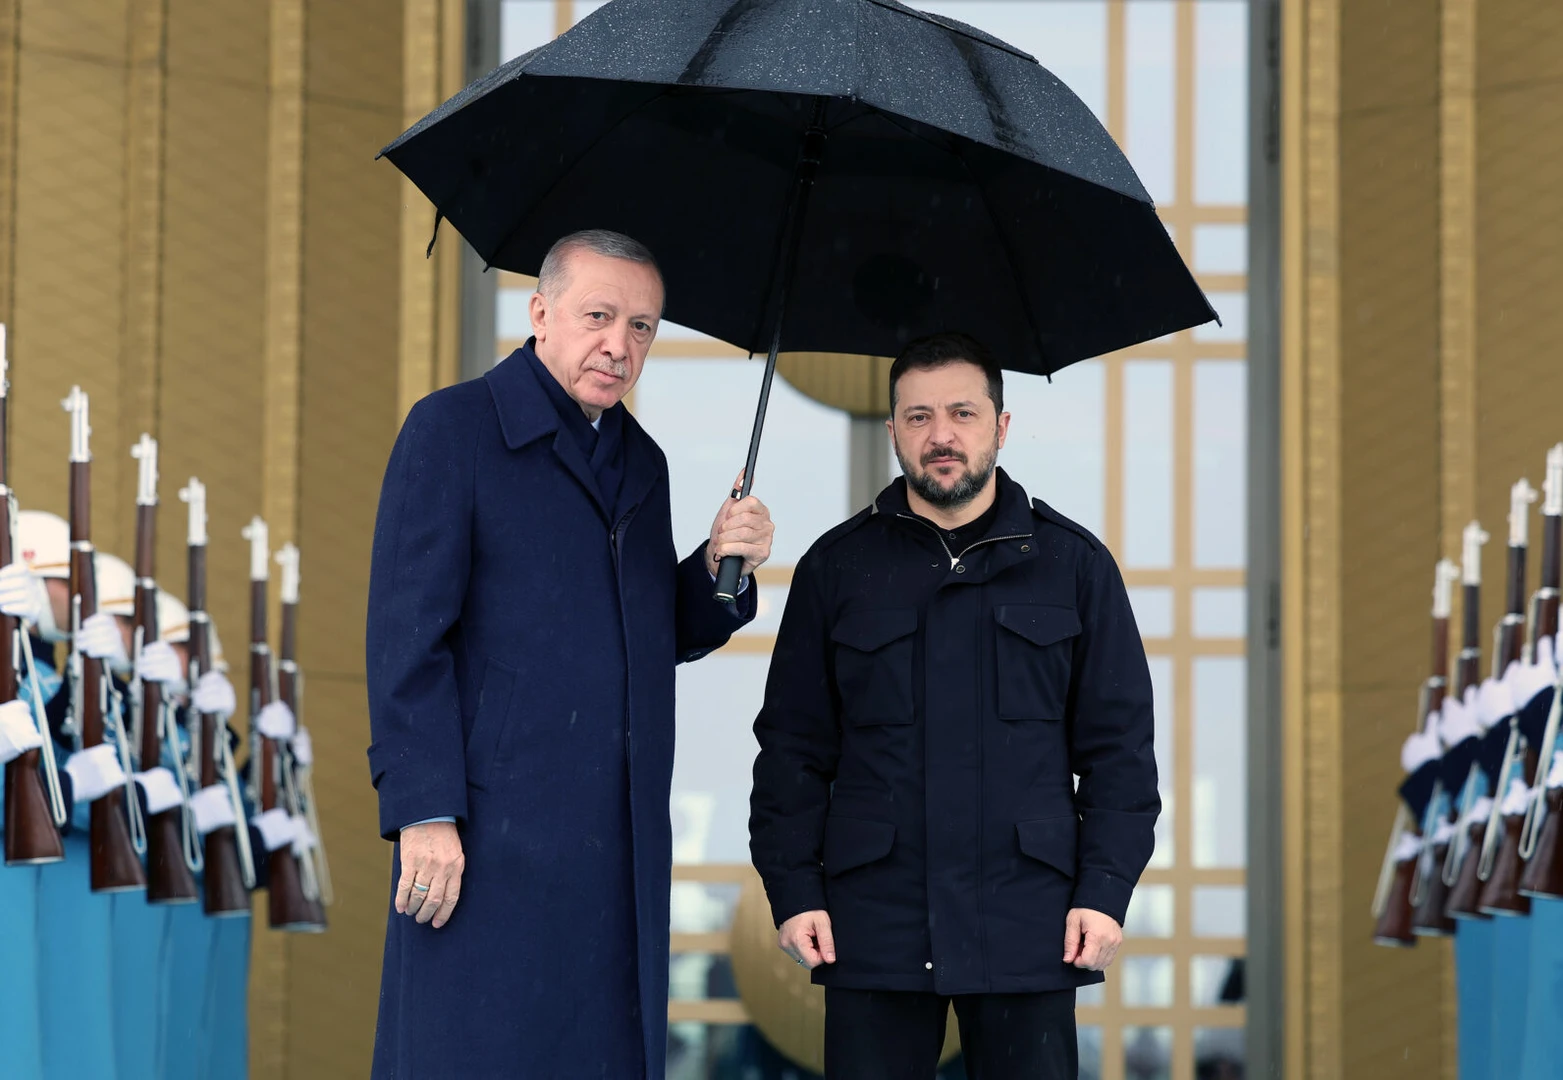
[
  {"x": 851, "y": 842},
  {"x": 1051, "y": 840},
  {"x": 1040, "y": 624},
  {"x": 870, "y": 630}
]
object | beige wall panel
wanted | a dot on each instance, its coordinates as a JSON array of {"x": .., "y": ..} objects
[
  {"x": 355, "y": 55},
  {"x": 334, "y": 981},
  {"x": 222, "y": 40},
  {"x": 214, "y": 294},
  {"x": 1388, "y": 54},
  {"x": 1518, "y": 41},
  {"x": 97, "y": 28},
  {"x": 351, "y": 284},
  {"x": 69, "y": 297},
  {"x": 1519, "y": 258}
]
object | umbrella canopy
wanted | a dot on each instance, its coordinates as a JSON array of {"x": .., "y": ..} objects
[{"x": 958, "y": 186}]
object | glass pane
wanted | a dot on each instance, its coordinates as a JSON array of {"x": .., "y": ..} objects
[
  {"x": 769, "y": 606},
  {"x": 1220, "y": 613},
  {"x": 1218, "y": 1053},
  {"x": 701, "y": 412},
  {"x": 1216, "y": 980},
  {"x": 1147, "y": 1053},
  {"x": 1152, "y": 606},
  {"x": 700, "y": 907},
  {"x": 1147, "y": 466},
  {"x": 1054, "y": 447},
  {"x": 714, "y": 748},
  {"x": 1147, "y": 981},
  {"x": 1068, "y": 37},
  {"x": 1221, "y": 249},
  {"x": 698, "y": 1051},
  {"x": 1220, "y": 463},
  {"x": 1220, "y": 911},
  {"x": 524, "y": 25},
  {"x": 1221, "y": 103},
  {"x": 701, "y": 977},
  {"x": 1091, "y": 996},
  {"x": 1232, "y": 307},
  {"x": 1220, "y": 746},
  {"x": 514, "y": 321},
  {"x": 1151, "y": 94},
  {"x": 1089, "y": 1037},
  {"x": 1150, "y": 912},
  {"x": 1161, "y": 696},
  {"x": 584, "y": 8}
]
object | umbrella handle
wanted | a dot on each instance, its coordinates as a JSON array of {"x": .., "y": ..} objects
[{"x": 731, "y": 569}]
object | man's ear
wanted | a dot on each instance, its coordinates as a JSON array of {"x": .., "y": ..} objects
[
  {"x": 538, "y": 310},
  {"x": 1003, "y": 428}
]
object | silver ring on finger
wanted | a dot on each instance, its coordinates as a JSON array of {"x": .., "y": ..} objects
[{"x": 420, "y": 888}]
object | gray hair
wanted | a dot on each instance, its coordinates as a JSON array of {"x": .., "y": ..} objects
[{"x": 551, "y": 279}]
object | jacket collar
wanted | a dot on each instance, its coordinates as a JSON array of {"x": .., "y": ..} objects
[
  {"x": 1013, "y": 519},
  {"x": 526, "y": 415}
]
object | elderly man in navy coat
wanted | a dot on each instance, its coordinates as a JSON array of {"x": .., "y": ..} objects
[
  {"x": 526, "y": 611},
  {"x": 949, "y": 661}
]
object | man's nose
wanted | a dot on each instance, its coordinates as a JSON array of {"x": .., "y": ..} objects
[
  {"x": 616, "y": 343},
  {"x": 941, "y": 431}
]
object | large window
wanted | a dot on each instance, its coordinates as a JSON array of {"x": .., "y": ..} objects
[{"x": 1146, "y": 447}]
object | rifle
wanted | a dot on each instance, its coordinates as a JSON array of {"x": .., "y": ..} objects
[
  {"x": 33, "y": 817},
  {"x": 297, "y": 766},
  {"x": 115, "y": 865},
  {"x": 288, "y": 906},
  {"x": 1542, "y": 835},
  {"x": 1432, "y": 918},
  {"x": 230, "y": 866},
  {"x": 1501, "y": 863},
  {"x": 1407, "y": 863},
  {"x": 170, "y": 879}
]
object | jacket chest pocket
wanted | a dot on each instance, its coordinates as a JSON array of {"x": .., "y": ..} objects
[
  {"x": 874, "y": 665},
  {"x": 1034, "y": 652}
]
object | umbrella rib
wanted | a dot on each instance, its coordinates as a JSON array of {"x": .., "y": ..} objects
[{"x": 563, "y": 174}]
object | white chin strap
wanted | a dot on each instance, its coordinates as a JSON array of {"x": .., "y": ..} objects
[{"x": 47, "y": 628}]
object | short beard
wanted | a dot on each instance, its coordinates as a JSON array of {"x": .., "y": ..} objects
[{"x": 962, "y": 492}]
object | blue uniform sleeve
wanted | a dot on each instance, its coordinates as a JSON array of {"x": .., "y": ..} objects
[
  {"x": 1111, "y": 743},
  {"x": 418, "y": 578}
]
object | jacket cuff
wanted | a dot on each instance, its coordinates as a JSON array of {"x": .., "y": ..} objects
[
  {"x": 1104, "y": 892},
  {"x": 416, "y": 795},
  {"x": 804, "y": 892}
]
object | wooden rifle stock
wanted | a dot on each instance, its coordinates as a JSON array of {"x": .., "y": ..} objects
[
  {"x": 225, "y": 894},
  {"x": 31, "y": 837},
  {"x": 1543, "y": 874},
  {"x": 115, "y": 866},
  {"x": 1395, "y": 925},
  {"x": 169, "y": 879},
  {"x": 288, "y": 691},
  {"x": 288, "y": 908}
]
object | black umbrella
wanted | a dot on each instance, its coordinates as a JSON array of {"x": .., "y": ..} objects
[{"x": 815, "y": 176}]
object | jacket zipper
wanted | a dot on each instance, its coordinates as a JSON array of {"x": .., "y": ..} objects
[{"x": 954, "y": 562}]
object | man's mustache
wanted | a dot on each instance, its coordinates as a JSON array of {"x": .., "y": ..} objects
[
  {"x": 933, "y": 454},
  {"x": 619, "y": 369}
]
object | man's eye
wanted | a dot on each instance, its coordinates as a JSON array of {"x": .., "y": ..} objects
[
  {"x": 598, "y": 316},
  {"x": 643, "y": 328}
]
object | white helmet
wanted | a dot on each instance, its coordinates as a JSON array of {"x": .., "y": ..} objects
[
  {"x": 116, "y": 585},
  {"x": 173, "y": 618},
  {"x": 44, "y": 543}
]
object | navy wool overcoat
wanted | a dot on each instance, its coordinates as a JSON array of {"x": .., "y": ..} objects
[{"x": 522, "y": 639}]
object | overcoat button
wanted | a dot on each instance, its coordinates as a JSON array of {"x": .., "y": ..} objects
[
  {"x": 1025, "y": 547},
  {"x": 961, "y": 568},
  {"x": 928, "y": 966}
]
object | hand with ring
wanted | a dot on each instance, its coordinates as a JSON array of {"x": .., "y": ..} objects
[{"x": 432, "y": 864}]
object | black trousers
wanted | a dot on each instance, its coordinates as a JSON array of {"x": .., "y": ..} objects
[{"x": 897, "y": 1035}]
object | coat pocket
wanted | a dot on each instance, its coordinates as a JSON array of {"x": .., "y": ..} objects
[
  {"x": 1051, "y": 841},
  {"x": 874, "y": 665},
  {"x": 1035, "y": 648},
  {"x": 489, "y": 721},
  {"x": 854, "y": 842}
]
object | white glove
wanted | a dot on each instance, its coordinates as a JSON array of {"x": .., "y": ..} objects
[
  {"x": 158, "y": 663},
  {"x": 1496, "y": 703},
  {"x": 1419, "y": 748},
  {"x": 275, "y": 827},
  {"x": 214, "y": 694},
  {"x": 23, "y": 595},
  {"x": 160, "y": 788},
  {"x": 303, "y": 748},
  {"x": 94, "y": 772},
  {"x": 99, "y": 638},
  {"x": 18, "y": 733},
  {"x": 276, "y": 721},
  {"x": 303, "y": 836},
  {"x": 213, "y": 809}
]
